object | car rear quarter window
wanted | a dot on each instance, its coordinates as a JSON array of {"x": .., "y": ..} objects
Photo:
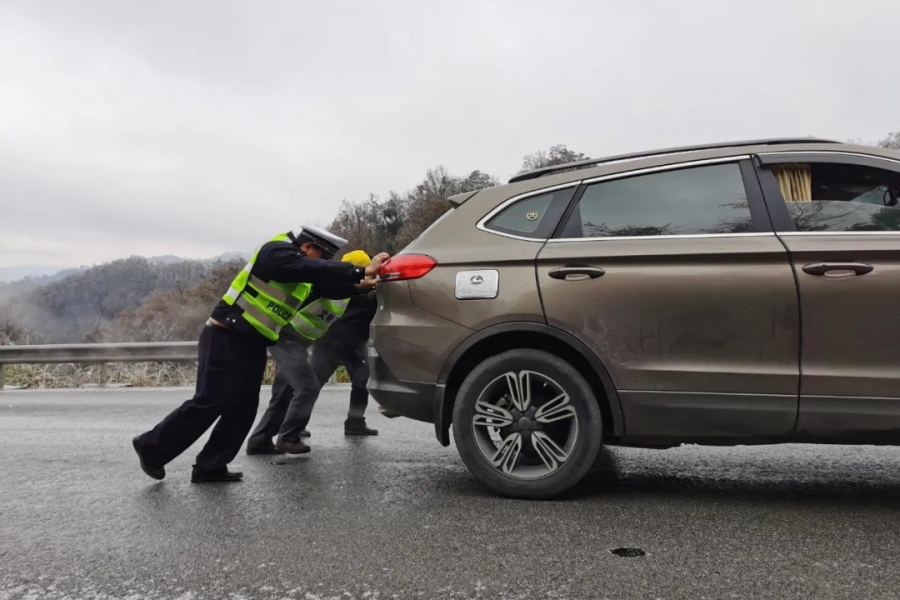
[
  {"x": 535, "y": 216},
  {"x": 691, "y": 201},
  {"x": 840, "y": 197}
]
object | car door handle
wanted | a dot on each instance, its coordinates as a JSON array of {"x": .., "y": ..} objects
[
  {"x": 576, "y": 273},
  {"x": 824, "y": 268}
]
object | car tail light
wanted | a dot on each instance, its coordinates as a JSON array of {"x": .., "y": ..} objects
[{"x": 406, "y": 266}]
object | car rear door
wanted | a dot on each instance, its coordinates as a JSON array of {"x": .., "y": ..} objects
[
  {"x": 675, "y": 278},
  {"x": 843, "y": 236}
]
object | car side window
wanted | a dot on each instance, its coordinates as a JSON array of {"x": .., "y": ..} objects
[
  {"x": 697, "y": 200},
  {"x": 839, "y": 197},
  {"x": 533, "y": 217}
]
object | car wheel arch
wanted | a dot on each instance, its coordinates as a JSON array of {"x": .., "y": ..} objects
[{"x": 506, "y": 336}]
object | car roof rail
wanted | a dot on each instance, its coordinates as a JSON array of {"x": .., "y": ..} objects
[{"x": 590, "y": 162}]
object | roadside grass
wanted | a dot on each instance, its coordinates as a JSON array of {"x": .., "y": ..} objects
[{"x": 142, "y": 374}]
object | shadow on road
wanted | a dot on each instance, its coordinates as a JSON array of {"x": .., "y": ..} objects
[
  {"x": 834, "y": 493},
  {"x": 800, "y": 481}
]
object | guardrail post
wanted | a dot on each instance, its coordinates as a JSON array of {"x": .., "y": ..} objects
[
  {"x": 104, "y": 374},
  {"x": 2, "y": 377}
]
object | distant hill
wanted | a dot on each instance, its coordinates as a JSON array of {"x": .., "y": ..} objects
[
  {"x": 43, "y": 274},
  {"x": 167, "y": 259},
  {"x": 37, "y": 272},
  {"x": 170, "y": 259},
  {"x": 12, "y": 288},
  {"x": 229, "y": 256},
  {"x": 84, "y": 304}
]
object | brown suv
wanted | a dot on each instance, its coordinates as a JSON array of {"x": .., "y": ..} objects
[{"x": 740, "y": 293}]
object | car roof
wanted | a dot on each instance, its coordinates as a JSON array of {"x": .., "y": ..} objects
[
  {"x": 473, "y": 206},
  {"x": 623, "y": 163},
  {"x": 591, "y": 162}
]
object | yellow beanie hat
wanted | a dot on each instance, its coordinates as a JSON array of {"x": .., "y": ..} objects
[{"x": 357, "y": 258}]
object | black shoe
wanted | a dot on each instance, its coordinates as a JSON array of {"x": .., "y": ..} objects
[
  {"x": 305, "y": 433},
  {"x": 222, "y": 475},
  {"x": 154, "y": 472},
  {"x": 359, "y": 429},
  {"x": 263, "y": 449},
  {"x": 292, "y": 447}
]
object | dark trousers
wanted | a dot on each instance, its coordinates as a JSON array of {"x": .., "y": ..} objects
[
  {"x": 299, "y": 379},
  {"x": 330, "y": 352},
  {"x": 229, "y": 374},
  {"x": 295, "y": 383}
]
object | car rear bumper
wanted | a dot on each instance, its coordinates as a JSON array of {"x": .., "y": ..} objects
[{"x": 409, "y": 399}]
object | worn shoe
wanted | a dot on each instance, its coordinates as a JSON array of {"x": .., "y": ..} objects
[
  {"x": 305, "y": 433},
  {"x": 263, "y": 449},
  {"x": 292, "y": 447},
  {"x": 154, "y": 472},
  {"x": 222, "y": 475},
  {"x": 359, "y": 429}
]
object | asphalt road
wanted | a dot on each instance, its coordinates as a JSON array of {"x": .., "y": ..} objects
[{"x": 398, "y": 516}]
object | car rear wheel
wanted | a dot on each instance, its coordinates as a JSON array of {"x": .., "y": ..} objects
[{"x": 527, "y": 424}]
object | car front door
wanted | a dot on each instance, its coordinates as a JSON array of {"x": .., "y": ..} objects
[
  {"x": 841, "y": 225},
  {"x": 675, "y": 279}
]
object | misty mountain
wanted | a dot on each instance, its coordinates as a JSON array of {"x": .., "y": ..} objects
[
  {"x": 8, "y": 289},
  {"x": 230, "y": 256},
  {"x": 36, "y": 275},
  {"x": 43, "y": 274},
  {"x": 18, "y": 273},
  {"x": 166, "y": 259},
  {"x": 85, "y": 304}
]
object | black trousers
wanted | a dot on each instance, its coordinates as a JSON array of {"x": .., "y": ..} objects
[
  {"x": 299, "y": 379},
  {"x": 229, "y": 374},
  {"x": 330, "y": 352}
]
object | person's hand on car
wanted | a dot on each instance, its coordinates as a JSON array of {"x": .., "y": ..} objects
[
  {"x": 377, "y": 260},
  {"x": 367, "y": 282}
]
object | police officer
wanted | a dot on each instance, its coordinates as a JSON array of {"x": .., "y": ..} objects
[
  {"x": 262, "y": 300},
  {"x": 296, "y": 384}
]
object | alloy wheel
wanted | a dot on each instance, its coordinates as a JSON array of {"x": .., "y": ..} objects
[{"x": 525, "y": 425}]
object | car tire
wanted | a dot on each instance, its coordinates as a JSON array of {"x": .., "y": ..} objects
[{"x": 530, "y": 473}]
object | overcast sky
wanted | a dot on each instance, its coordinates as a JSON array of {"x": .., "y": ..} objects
[{"x": 196, "y": 127}]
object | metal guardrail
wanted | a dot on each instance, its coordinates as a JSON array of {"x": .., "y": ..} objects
[{"x": 99, "y": 354}]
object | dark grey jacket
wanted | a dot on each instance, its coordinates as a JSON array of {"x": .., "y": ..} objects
[{"x": 354, "y": 323}]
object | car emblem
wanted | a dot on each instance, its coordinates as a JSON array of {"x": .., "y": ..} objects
[
  {"x": 532, "y": 216},
  {"x": 476, "y": 280}
]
